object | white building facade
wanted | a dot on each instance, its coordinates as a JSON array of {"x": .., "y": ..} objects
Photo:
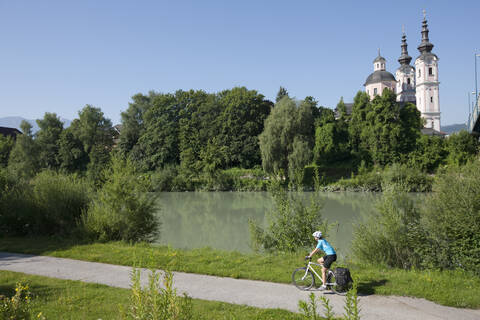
[{"x": 418, "y": 85}]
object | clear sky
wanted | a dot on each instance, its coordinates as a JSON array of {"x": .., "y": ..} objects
[{"x": 58, "y": 56}]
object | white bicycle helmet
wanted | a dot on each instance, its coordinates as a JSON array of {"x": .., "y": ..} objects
[{"x": 317, "y": 234}]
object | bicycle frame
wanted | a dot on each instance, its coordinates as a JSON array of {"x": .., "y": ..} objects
[{"x": 309, "y": 267}]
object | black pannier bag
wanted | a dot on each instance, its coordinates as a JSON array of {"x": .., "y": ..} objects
[{"x": 343, "y": 277}]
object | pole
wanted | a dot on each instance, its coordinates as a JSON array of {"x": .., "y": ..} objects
[{"x": 476, "y": 86}]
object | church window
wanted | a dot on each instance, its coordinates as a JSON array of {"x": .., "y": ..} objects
[
  {"x": 419, "y": 73},
  {"x": 408, "y": 80},
  {"x": 374, "y": 91},
  {"x": 430, "y": 71},
  {"x": 431, "y": 99}
]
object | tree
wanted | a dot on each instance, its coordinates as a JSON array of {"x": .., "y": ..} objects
[
  {"x": 23, "y": 159},
  {"x": 159, "y": 142},
  {"x": 198, "y": 125},
  {"x": 461, "y": 148},
  {"x": 6, "y": 146},
  {"x": 429, "y": 154},
  {"x": 331, "y": 138},
  {"x": 48, "y": 140},
  {"x": 282, "y": 92},
  {"x": 391, "y": 129},
  {"x": 358, "y": 121},
  {"x": 133, "y": 125},
  {"x": 87, "y": 143},
  {"x": 242, "y": 117},
  {"x": 285, "y": 123}
]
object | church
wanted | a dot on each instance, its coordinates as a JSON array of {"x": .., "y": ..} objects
[{"x": 415, "y": 84}]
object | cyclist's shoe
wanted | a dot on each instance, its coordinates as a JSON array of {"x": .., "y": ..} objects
[{"x": 322, "y": 288}]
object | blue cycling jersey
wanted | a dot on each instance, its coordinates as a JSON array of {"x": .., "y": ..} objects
[{"x": 325, "y": 247}]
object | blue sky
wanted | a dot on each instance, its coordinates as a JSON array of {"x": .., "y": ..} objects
[{"x": 58, "y": 56}]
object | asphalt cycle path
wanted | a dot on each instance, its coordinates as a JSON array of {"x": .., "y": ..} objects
[{"x": 258, "y": 294}]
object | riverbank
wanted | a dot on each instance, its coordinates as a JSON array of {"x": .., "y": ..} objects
[{"x": 450, "y": 288}]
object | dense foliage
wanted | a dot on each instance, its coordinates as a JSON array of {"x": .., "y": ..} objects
[
  {"x": 442, "y": 233},
  {"x": 122, "y": 209},
  {"x": 289, "y": 223}
]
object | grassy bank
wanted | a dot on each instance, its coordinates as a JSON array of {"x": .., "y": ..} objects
[
  {"x": 451, "y": 288},
  {"x": 64, "y": 299}
]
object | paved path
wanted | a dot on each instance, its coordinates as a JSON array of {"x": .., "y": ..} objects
[{"x": 253, "y": 293}]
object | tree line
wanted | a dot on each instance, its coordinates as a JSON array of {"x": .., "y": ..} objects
[{"x": 197, "y": 136}]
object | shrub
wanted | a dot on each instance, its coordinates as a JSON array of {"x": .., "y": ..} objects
[
  {"x": 392, "y": 234},
  {"x": 59, "y": 201},
  {"x": 452, "y": 219},
  {"x": 16, "y": 206},
  {"x": 154, "y": 302},
  {"x": 290, "y": 223},
  {"x": 163, "y": 179},
  {"x": 123, "y": 209},
  {"x": 412, "y": 179},
  {"x": 462, "y": 147},
  {"x": 18, "y": 306},
  {"x": 309, "y": 308}
]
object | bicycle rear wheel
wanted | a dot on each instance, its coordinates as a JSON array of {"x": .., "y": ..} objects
[
  {"x": 303, "y": 279},
  {"x": 334, "y": 286}
]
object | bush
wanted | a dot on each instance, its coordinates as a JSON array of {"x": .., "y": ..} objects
[
  {"x": 18, "y": 306},
  {"x": 412, "y": 179},
  {"x": 452, "y": 219},
  {"x": 59, "y": 201},
  {"x": 123, "y": 209},
  {"x": 16, "y": 206},
  {"x": 164, "y": 179},
  {"x": 391, "y": 235},
  {"x": 154, "y": 302},
  {"x": 290, "y": 223}
]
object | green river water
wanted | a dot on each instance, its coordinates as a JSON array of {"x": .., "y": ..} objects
[{"x": 220, "y": 219}]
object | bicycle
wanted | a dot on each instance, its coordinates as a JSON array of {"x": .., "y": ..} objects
[{"x": 304, "y": 278}]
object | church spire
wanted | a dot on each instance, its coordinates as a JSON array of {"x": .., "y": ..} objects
[
  {"x": 404, "y": 58},
  {"x": 425, "y": 45}
]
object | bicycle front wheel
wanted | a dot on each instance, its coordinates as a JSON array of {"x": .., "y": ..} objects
[{"x": 303, "y": 278}]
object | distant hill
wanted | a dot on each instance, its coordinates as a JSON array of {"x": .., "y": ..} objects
[
  {"x": 452, "y": 128},
  {"x": 14, "y": 122}
]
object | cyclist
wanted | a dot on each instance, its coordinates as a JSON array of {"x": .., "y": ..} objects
[{"x": 327, "y": 260}]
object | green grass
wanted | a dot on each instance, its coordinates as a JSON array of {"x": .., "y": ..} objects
[
  {"x": 65, "y": 299},
  {"x": 451, "y": 288}
]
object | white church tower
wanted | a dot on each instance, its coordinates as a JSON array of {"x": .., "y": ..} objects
[
  {"x": 405, "y": 75},
  {"x": 426, "y": 79}
]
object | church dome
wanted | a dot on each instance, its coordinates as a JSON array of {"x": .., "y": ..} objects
[{"x": 379, "y": 76}]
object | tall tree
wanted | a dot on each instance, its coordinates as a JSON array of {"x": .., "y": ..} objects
[
  {"x": 159, "y": 142},
  {"x": 242, "y": 116},
  {"x": 23, "y": 159},
  {"x": 87, "y": 142},
  {"x": 282, "y": 92},
  {"x": 48, "y": 140},
  {"x": 6, "y": 146},
  {"x": 133, "y": 125},
  {"x": 285, "y": 124},
  {"x": 357, "y": 122},
  {"x": 331, "y": 138},
  {"x": 391, "y": 129}
]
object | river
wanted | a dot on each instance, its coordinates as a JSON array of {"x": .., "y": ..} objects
[{"x": 220, "y": 219}]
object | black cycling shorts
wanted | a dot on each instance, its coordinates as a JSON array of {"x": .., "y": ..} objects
[{"x": 328, "y": 260}]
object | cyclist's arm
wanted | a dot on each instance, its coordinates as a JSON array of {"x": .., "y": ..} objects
[{"x": 313, "y": 252}]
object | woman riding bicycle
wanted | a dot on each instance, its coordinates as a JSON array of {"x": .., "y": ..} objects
[{"x": 327, "y": 260}]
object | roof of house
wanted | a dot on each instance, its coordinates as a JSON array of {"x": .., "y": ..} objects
[{"x": 9, "y": 132}]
